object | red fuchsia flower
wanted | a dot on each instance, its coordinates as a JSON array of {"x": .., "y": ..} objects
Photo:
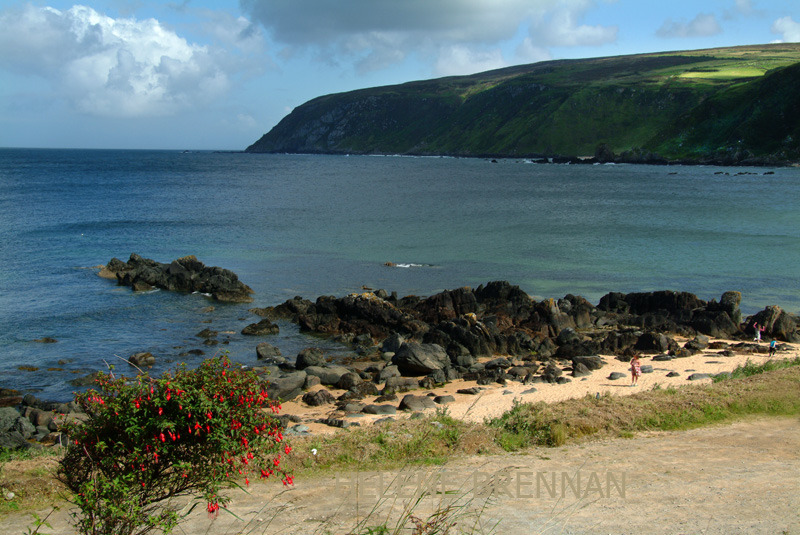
[
  {"x": 287, "y": 449},
  {"x": 213, "y": 509}
]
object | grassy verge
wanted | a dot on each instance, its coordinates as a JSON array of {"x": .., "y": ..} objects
[
  {"x": 431, "y": 440},
  {"x": 769, "y": 389},
  {"x": 27, "y": 479}
]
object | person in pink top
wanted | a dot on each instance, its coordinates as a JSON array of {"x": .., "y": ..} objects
[{"x": 636, "y": 370}]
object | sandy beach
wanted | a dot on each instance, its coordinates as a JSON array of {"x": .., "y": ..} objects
[{"x": 495, "y": 399}]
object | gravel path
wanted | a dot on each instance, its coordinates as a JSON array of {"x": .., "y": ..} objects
[{"x": 739, "y": 478}]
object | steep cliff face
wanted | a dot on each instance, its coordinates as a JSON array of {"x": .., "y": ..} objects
[
  {"x": 690, "y": 105},
  {"x": 758, "y": 120}
]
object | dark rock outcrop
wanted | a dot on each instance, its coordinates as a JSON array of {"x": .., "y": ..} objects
[
  {"x": 185, "y": 274},
  {"x": 262, "y": 328},
  {"x": 778, "y": 324}
]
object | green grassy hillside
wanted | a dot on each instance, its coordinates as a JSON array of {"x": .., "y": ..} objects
[{"x": 735, "y": 104}]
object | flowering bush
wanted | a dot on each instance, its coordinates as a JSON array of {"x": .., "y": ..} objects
[{"x": 149, "y": 440}]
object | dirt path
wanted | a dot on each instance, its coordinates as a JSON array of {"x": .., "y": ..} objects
[{"x": 739, "y": 478}]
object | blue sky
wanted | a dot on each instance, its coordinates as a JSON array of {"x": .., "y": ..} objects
[{"x": 218, "y": 74}]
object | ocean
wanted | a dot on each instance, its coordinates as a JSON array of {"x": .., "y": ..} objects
[{"x": 313, "y": 225}]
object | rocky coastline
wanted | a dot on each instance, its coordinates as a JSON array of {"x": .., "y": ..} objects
[
  {"x": 497, "y": 333},
  {"x": 494, "y": 334}
]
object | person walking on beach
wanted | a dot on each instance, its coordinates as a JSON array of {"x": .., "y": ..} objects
[
  {"x": 759, "y": 330},
  {"x": 772, "y": 348},
  {"x": 636, "y": 370}
]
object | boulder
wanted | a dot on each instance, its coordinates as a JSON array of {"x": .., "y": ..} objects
[
  {"x": 400, "y": 383},
  {"x": 8, "y": 415},
  {"x": 551, "y": 373},
  {"x": 379, "y": 409},
  {"x": 413, "y": 359},
  {"x": 591, "y": 362},
  {"x": 699, "y": 343},
  {"x": 387, "y": 372},
  {"x": 328, "y": 375},
  {"x": 655, "y": 342},
  {"x": 416, "y": 403},
  {"x": 311, "y": 356},
  {"x": 616, "y": 375},
  {"x": 501, "y": 362},
  {"x": 348, "y": 381},
  {"x": 287, "y": 386},
  {"x": 392, "y": 343},
  {"x": 698, "y": 376},
  {"x": 13, "y": 440},
  {"x": 207, "y": 333},
  {"x": 269, "y": 353},
  {"x": 142, "y": 360},
  {"x": 778, "y": 323},
  {"x": 262, "y": 328},
  {"x": 360, "y": 391},
  {"x": 580, "y": 370},
  {"x": 318, "y": 397},
  {"x": 311, "y": 381}
]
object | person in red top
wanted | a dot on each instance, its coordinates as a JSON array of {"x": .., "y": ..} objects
[{"x": 636, "y": 370}]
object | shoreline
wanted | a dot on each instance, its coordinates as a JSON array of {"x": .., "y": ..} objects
[{"x": 495, "y": 399}]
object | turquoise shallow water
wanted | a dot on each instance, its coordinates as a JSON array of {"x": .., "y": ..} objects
[{"x": 311, "y": 225}]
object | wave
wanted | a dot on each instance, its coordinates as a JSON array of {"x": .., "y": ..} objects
[{"x": 406, "y": 265}]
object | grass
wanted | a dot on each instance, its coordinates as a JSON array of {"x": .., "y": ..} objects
[
  {"x": 749, "y": 368},
  {"x": 725, "y": 74},
  {"x": 29, "y": 476},
  {"x": 426, "y": 441},
  {"x": 752, "y": 390}
]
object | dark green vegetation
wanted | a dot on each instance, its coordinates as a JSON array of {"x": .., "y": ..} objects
[{"x": 729, "y": 105}]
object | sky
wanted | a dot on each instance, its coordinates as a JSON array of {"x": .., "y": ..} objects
[{"x": 218, "y": 74}]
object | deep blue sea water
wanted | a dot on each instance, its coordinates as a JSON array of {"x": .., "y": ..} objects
[{"x": 312, "y": 225}]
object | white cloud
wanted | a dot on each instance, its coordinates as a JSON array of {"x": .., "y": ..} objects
[
  {"x": 114, "y": 67},
  {"x": 460, "y": 59},
  {"x": 789, "y": 29},
  {"x": 529, "y": 52},
  {"x": 463, "y": 35},
  {"x": 561, "y": 28},
  {"x": 703, "y": 25}
]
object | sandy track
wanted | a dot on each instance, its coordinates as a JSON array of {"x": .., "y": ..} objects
[{"x": 739, "y": 478}]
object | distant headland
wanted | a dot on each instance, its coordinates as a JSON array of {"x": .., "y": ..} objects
[{"x": 725, "y": 106}]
